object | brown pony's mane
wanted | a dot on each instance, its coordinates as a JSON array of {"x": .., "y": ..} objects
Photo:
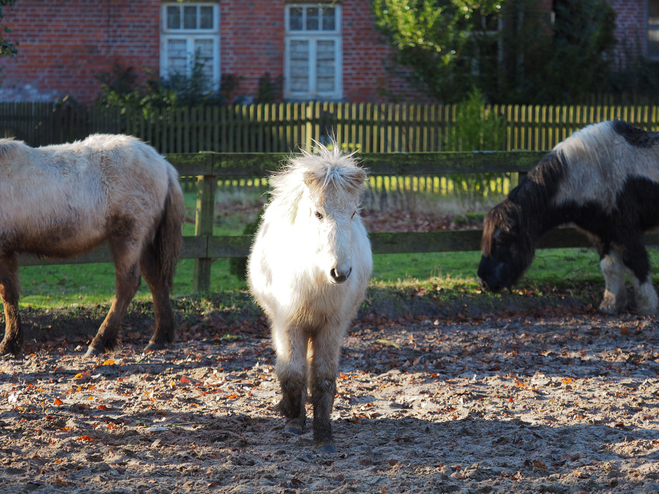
[{"x": 8, "y": 147}]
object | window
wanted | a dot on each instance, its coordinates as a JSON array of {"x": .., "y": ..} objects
[
  {"x": 312, "y": 66},
  {"x": 190, "y": 35},
  {"x": 488, "y": 51},
  {"x": 653, "y": 29}
]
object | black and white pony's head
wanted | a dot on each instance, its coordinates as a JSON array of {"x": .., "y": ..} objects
[
  {"x": 513, "y": 226},
  {"x": 507, "y": 248}
]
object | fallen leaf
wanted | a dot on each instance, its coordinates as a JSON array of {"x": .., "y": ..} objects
[{"x": 58, "y": 402}]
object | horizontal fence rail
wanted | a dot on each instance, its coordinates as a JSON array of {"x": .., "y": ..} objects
[{"x": 211, "y": 167}]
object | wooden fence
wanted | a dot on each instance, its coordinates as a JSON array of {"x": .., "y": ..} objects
[
  {"x": 209, "y": 168},
  {"x": 285, "y": 127}
]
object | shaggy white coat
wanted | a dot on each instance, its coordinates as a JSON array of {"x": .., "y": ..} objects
[{"x": 310, "y": 227}]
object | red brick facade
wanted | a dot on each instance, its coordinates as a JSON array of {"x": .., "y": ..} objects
[
  {"x": 64, "y": 44},
  {"x": 630, "y": 21}
]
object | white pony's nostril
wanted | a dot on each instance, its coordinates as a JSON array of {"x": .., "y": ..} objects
[{"x": 339, "y": 277}]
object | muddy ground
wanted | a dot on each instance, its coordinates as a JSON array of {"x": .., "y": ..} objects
[{"x": 561, "y": 400}]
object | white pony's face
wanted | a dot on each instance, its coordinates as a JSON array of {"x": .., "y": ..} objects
[{"x": 328, "y": 222}]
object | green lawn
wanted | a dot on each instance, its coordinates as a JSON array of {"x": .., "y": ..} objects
[{"x": 84, "y": 284}]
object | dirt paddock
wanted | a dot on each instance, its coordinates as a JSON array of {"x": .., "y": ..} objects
[{"x": 496, "y": 404}]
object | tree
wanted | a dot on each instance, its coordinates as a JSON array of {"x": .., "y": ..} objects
[
  {"x": 7, "y": 48},
  {"x": 530, "y": 59},
  {"x": 430, "y": 38}
]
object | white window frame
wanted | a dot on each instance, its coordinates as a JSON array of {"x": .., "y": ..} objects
[
  {"x": 650, "y": 28},
  {"x": 190, "y": 36},
  {"x": 313, "y": 36}
]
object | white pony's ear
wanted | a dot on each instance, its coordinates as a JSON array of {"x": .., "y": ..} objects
[{"x": 310, "y": 179}]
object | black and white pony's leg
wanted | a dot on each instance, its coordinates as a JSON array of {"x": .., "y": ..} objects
[
  {"x": 325, "y": 348},
  {"x": 9, "y": 290},
  {"x": 291, "y": 367},
  {"x": 615, "y": 293},
  {"x": 637, "y": 264}
]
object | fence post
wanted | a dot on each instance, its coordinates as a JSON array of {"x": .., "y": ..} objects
[{"x": 206, "y": 185}]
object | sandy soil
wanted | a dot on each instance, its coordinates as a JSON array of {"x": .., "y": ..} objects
[{"x": 497, "y": 404}]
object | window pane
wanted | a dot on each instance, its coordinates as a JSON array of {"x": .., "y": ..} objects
[
  {"x": 653, "y": 43},
  {"x": 173, "y": 17},
  {"x": 206, "y": 21},
  {"x": 653, "y": 12},
  {"x": 312, "y": 19},
  {"x": 204, "y": 57},
  {"x": 299, "y": 66},
  {"x": 190, "y": 17},
  {"x": 295, "y": 19},
  {"x": 329, "y": 23},
  {"x": 325, "y": 66},
  {"x": 177, "y": 58}
]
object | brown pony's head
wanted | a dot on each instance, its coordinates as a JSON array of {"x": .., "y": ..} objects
[{"x": 507, "y": 247}]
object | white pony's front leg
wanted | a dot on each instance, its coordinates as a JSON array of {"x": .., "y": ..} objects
[
  {"x": 291, "y": 367},
  {"x": 325, "y": 349},
  {"x": 615, "y": 293}
]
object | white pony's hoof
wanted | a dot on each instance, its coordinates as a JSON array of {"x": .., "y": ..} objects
[{"x": 327, "y": 448}]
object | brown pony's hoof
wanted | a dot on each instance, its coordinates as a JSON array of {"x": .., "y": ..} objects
[
  {"x": 155, "y": 346},
  {"x": 94, "y": 351},
  {"x": 10, "y": 347}
]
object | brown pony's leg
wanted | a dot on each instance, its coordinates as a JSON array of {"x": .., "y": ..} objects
[
  {"x": 160, "y": 284},
  {"x": 128, "y": 280},
  {"x": 9, "y": 288},
  {"x": 326, "y": 345}
]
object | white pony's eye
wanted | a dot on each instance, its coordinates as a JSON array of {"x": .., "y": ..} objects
[
  {"x": 353, "y": 214},
  {"x": 319, "y": 215}
]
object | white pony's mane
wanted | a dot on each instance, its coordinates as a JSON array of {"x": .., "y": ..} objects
[{"x": 319, "y": 172}]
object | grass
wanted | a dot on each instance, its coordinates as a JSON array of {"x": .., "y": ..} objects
[{"x": 88, "y": 284}]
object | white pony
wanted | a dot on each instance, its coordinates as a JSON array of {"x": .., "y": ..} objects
[
  {"x": 64, "y": 200},
  {"x": 308, "y": 269}
]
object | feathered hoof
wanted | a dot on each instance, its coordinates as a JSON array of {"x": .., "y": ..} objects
[
  {"x": 10, "y": 348},
  {"x": 155, "y": 346},
  {"x": 326, "y": 448},
  {"x": 291, "y": 429},
  {"x": 608, "y": 309},
  {"x": 295, "y": 426},
  {"x": 646, "y": 311},
  {"x": 94, "y": 351}
]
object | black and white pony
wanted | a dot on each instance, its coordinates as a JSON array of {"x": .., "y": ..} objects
[{"x": 605, "y": 180}]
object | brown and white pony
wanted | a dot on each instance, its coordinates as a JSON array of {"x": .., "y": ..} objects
[
  {"x": 64, "y": 200},
  {"x": 605, "y": 180},
  {"x": 308, "y": 269}
]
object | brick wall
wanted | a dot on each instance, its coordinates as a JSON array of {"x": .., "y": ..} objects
[
  {"x": 65, "y": 43},
  {"x": 630, "y": 21}
]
